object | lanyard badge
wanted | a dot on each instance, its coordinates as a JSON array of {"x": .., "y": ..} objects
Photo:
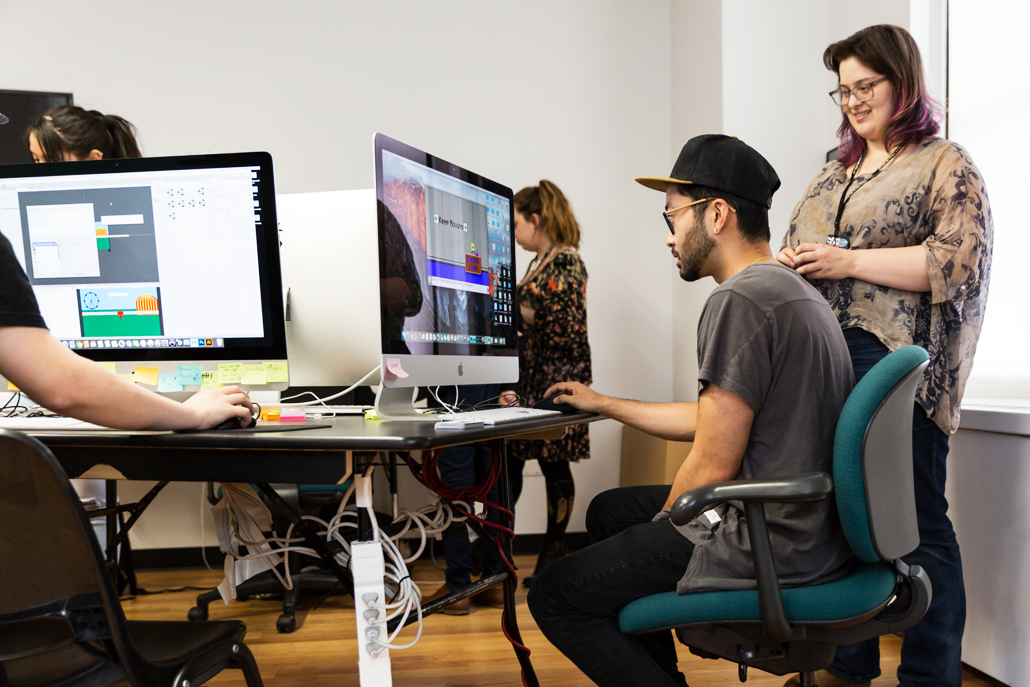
[{"x": 838, "y": 241}]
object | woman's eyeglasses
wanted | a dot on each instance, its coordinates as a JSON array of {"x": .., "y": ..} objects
[{"x": 863, "y": 93}]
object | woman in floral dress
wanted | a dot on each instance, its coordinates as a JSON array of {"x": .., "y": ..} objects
[{"x": 552, "y": 304}]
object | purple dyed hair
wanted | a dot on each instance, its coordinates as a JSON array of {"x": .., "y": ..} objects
[{"x": 891, "y": 51}]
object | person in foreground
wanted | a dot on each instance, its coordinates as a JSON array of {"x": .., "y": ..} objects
[
  {"x": 58, "y": 379},
  {"x": 907, "y": 261},
  {"x": 774, "y": 374}
]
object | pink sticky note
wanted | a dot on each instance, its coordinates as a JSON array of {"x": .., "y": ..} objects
[{"x": 394, "y": 366}]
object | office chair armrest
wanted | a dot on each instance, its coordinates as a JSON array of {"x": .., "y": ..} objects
[
  {"x": 755, "y": 493},
  {"x": 810, "y": 486}
]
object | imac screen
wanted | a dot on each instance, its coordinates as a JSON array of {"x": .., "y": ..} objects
[
  {"x": 445, "y": 257},
  {"x": 152, "y": 259}
]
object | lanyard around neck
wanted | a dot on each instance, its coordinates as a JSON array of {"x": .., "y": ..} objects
[{"x": 845, "y": 196}]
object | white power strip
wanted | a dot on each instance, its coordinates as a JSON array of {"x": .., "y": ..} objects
[{"x": 368, "y": 569}]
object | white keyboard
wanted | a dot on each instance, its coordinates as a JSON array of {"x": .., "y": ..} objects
[
  {"x": 43, "y": 424},
  {"x": 497, "y": 416}
]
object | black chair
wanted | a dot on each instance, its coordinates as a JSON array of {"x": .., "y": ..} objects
[
  {"x": 307, "y": 499},
  {"x": 60, "y": 619},
  {"x": 798, "y": 630}
]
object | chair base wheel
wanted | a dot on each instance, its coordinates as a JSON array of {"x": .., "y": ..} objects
[
  {"x": 286, "y": 624},
  {"x": 197, "y": 613}
]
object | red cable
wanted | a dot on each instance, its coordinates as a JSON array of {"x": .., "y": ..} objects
[{"x": 428, "y": 476}]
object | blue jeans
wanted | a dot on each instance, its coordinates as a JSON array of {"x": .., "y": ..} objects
[
  {"x": 462, "y": 467},
  {"x": 931, "y": 652}
]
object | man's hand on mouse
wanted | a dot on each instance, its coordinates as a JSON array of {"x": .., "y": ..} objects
[
  {"x": 212, "y": 407},
  {"x": 578, "y": 396}
]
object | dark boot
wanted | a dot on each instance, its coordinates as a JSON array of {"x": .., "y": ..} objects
[
  {"x": 552, "y": 551},
  {"x": 561, "y": 495}
]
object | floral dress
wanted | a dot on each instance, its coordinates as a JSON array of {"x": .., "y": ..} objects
[
  {"x": 555, "y": 348},
  {"x": 933, "y": 197}
]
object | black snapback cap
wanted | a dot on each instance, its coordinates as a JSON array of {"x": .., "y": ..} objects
[{"x": 724, "y": 163}]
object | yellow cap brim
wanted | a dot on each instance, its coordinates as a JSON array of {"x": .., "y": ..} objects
[{"x": 659, "y": 183}]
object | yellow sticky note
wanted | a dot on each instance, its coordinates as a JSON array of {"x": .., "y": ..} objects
[
  {"x": 12, "y": 387},
  {"x": 230, "y": 373},
  {"x": 130, "y": 376},
  {"x": 277, "y": 372},
  {"x": 209, "y": 380},
  {"x": 107, "y": 366},
  {"x": 254, "y": 375},
  {"x": 145, "y": 375}
]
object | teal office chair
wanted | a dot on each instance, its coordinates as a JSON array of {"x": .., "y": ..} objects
[
  {"x": 60, "y": 619},
  {"x": 799, "y": 629}
]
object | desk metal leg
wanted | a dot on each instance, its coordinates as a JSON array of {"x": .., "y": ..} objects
[{"x": 511, "y": 624}]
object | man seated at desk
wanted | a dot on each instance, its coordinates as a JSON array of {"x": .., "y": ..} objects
[
  {"x": 58, "y": 379},
  {"x": 774, "y": 372}
]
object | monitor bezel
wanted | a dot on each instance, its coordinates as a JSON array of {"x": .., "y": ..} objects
[
  {"x": 270, "y": 347},
  {"x": 457, "y": 351}
]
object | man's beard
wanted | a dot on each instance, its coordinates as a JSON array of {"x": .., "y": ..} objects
[{"x": 696, "y": 249}]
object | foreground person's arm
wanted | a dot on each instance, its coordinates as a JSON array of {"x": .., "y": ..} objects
[{"x": 64, "y": 382}]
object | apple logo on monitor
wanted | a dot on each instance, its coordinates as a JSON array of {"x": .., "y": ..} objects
[{"x": 460, "y": 371}]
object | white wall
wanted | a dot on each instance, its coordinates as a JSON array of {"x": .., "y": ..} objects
[{"x": 576, "y": 92}]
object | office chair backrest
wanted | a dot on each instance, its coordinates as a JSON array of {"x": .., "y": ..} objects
[
  {"x": 46, "y": 552},
  {"x": 51, "y": 565},
  {"x": 872, "y": 459}
]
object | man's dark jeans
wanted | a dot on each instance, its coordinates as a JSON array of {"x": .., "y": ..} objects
[
  {"x": 575, "y": 600},
  {"x": 931, "y": 652}
]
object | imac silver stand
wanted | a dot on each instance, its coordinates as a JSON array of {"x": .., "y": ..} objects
[{"x": 396, "y": 405}]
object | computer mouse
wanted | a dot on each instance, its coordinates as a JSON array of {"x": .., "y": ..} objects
[
  {"x": 549, "y": 404},
  {"x": 235, "y": 422}
]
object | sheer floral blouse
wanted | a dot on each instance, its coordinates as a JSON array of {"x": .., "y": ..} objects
[{"x": 933, "y": 197}]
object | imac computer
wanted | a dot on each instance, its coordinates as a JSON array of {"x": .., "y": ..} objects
[
  {"x": 446, "y": 277},
  {"x": 167, "y": 263},
  {"x": 330, "y": 276}
]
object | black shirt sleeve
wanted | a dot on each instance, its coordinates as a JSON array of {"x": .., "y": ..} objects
[{"x": 18, "y": 307}]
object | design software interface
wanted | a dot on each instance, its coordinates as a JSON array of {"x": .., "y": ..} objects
[
  {"x": 459, "y": 236},
  {"x": 140, "y": 259}
]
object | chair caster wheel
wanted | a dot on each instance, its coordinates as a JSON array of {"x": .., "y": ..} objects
[
  {"x": 197, "y": 613},
  {"x": 286, "y": 623}
]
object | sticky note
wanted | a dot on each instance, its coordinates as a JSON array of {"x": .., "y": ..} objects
[
  {"x": 230, "y": 373},
  {"x": 131, "y": 377},
  {"x": 107, "y": 366},
  {"x": 394, "y": 366},
  {"x": 209, "y": 380},
  {"x": 168, "y": 381},
  {"x": 254, "y": 375},
  {"x": 12, "y": 387},
  {"x": 276, "y": 372},
  {"x": 189, "y": 374},
  {"x": 145, "y": 375}
]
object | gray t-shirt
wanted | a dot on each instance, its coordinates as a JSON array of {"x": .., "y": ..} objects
[{"x": 768, "y": 336}]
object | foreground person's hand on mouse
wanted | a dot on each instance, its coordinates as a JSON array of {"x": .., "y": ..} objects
[{"x": 214, "y": 406}]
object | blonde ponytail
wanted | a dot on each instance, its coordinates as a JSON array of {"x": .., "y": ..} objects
[{"x": 556, "y": 218}]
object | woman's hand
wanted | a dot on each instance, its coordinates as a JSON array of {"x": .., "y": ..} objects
[
  {"x": 508, "y": 398},
  {"x": 815, "y": 261},
  {"x": 787, "y": 257}
]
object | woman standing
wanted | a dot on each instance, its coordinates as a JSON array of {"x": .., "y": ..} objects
[
  {"x": 69, "y": 133},
  {"x": 552, "y": 302},
  {"x": 897, "y": 236}
]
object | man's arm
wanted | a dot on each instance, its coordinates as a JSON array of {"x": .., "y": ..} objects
[
  {"x": 672, "y": 421},
  {"x": 723, "y": 427},
  {"x": 69, "y": 384}
]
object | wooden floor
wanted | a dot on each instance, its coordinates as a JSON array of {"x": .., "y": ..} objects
[{"x": 455, "y": 651}]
